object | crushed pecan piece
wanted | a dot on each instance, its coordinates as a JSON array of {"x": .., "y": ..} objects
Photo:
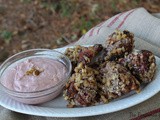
[{"x": 33, "y": 71}]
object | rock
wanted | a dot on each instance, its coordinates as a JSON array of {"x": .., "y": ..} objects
[
  {"x": 60, "y": 41},
  {"x": 25, "y": 46},
  {"x": 24, "y": 41},
  {"x": 47, "y": 45}
]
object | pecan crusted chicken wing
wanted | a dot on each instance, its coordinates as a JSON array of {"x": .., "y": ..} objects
[
  {"x": 81, "y": 89},
  {"x": 83, "y": 54},
  {"x": 118, "y": 44},
  {"x": 116, "y": 81},
  {"x": 142, "y": 65}
]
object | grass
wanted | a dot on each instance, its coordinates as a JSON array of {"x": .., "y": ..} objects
[{"x": 6, "y": 35}]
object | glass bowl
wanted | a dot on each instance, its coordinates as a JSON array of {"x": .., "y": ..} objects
[{"x": 40, "y": 96}]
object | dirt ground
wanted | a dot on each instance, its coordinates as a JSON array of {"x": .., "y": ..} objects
[{"x": 27, "y": 24}]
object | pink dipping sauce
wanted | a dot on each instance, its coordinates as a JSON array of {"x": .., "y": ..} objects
[{"x": 50, "y": 72}]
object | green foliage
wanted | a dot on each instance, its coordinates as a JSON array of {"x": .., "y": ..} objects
[
  {"x": 64, "y": 7},
  {"x": 114, "y": 5},
  {"x": 135, "y": 2},
  {"x": 118, "y": 5},
  {"x": 85, "y": 24},
  {"x": 25, "y": 1},
  {"x": 6, "y": 35}
]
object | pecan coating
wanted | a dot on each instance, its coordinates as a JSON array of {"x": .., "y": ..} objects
[
  {"x": 141, "y": 63},
  {"x": 83, "y": 54},
  {"x": 118, "y": 44},
  {"x": 81, "y": 89},
  {"x": 87, "y": 54},
  {"x": 73, "y": 54},
  {"x": 116, "y": 81}
]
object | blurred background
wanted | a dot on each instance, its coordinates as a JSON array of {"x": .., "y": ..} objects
[{"x": 27, "y": 24}]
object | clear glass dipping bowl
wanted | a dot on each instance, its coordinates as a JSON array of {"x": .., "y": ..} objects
[{"x": 36, "y": 97}]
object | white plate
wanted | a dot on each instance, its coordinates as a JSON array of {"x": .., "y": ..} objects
[{"x": 57, "y": 107}]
